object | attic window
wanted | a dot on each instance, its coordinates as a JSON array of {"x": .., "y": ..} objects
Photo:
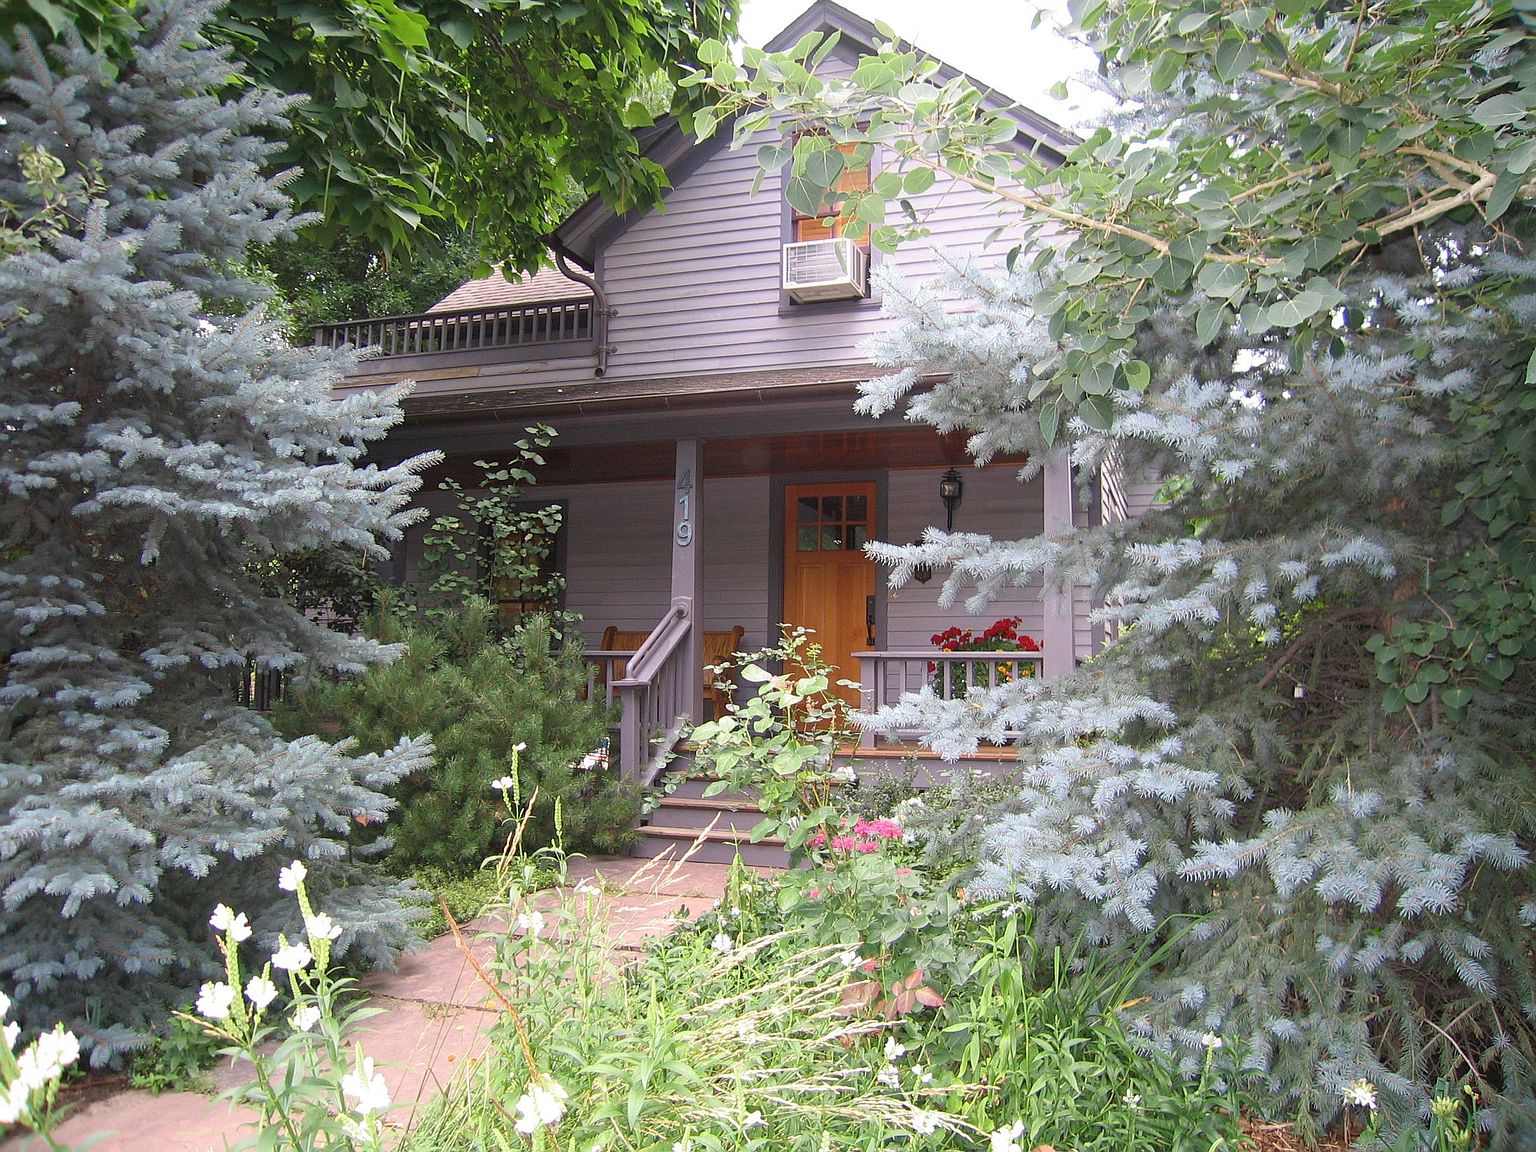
[{"x": 820, "y": 167}]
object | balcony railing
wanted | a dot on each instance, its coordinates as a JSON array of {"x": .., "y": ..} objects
[
  {"x": 470, "y": 330},
  {"x": 887, "y": 676}
]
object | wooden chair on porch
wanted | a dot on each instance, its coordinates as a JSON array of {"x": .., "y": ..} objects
[{"x": 718, "y": 648}]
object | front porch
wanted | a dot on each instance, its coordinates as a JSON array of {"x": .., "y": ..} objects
[{"x": 745, "y": 585}]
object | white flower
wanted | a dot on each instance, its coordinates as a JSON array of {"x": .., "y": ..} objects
[
  {"x": 753, "y": 1120},
  {"x": 321, "y": 927},
  {"x": 289, "y": 878},
  {"x": 59, "y": 1048},
  {"x": 894, "y": 1049},
  {"x": 920, "y": 1076},
  {"x": 848, "y": 959},
  {"x": 587, "y": 888},
  {"x": 1211, "y": 1041},
  {"x": 292, "y": 957},
  {"x": 1131, "y": 1099},
  {"x": 521, "y": 746},
  {"x": 365, "y": 1088},
  {"x": 543, "y": 1104},
  {"x": 15, "y": 1103},
  {"x": 12, "y": 1033},
  {"x": 5, "y": 1005},
  {"x": 502, "y": 784},
  {"x": 43, "y": 1061},
  {"x": 1361, "y": 1093},
  {"x": 306, "y": 1018},
  {"x": 680, "y": 1146},
  {"x": 214, "y": 1000},
  {"x": 888, "y": 1077},
  {"x": 225, "y": 919},
  {"x": 1007, "y": 1139},
  {"x": 531, "y": 923},
  {"x": 925, "y": 1123},
  {"x": 722, "y": 944},
  {"x": 260, "y": 991}
]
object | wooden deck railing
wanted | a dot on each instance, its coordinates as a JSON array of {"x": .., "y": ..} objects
[
  {"x": 473, "y": 329},
  {"x": 260, "y": 688},
  {"x": 887, "y": 676},
  {"x": 653, "y": 693}
]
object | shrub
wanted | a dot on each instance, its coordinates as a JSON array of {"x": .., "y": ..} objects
[{"x": 494, "y": 708}]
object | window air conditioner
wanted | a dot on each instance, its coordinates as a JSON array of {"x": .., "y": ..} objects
[{"x": 825, "y": 270}]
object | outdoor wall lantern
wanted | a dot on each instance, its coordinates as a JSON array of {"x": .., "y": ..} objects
[{"x": 951, "y": 488}]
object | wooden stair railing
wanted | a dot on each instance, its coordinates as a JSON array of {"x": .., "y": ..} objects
[{"x": 654, "y": 694}]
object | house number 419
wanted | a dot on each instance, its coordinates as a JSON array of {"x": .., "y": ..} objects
[{"x": 685, "y": 501}]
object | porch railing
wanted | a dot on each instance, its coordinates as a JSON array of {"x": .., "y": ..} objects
[
  {"x": 469, "y": 330},
  {"x": 887, "y": 676},
  {"x": 653, "y": 693}
]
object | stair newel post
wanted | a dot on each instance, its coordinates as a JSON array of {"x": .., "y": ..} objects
[
  {"x": 688, "y": 567},
  {"x": 1058, "y": 643}
]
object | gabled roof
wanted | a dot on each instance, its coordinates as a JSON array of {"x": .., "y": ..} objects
[{"x": 594, "y": 225}]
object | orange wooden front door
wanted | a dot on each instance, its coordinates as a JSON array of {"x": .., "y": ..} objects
[{"x": 829, "y": 584}]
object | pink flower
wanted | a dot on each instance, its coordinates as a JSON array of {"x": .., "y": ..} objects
[
  {"x": 815, "y": 893},
  {"x": 880, "y": 829},
  {"x": 817, "y": 840},
  {"x": 844, "y": 843}
]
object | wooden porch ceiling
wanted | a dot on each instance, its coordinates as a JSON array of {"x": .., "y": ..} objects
[{"x": 874, "y": 450}]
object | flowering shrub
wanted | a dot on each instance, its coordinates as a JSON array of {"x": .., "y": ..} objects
[
  {"x": 866, "y": 836},
  {"x": 1000, "y": 636}
]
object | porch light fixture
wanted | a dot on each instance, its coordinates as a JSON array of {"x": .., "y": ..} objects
[{"x": 951, "y": 488}]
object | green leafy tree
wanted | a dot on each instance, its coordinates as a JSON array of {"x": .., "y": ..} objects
[
  {"x": 1297, "y": 281},
  {"x": 158, "y": 441},
  {"x": 440, "y": 114},
  {"x": 495, "y": 708},
  {"x": 348, "y": 277}
]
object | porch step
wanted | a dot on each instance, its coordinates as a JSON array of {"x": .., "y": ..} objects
[
  {"x": 720, "y": 824},
  {"x": 714, "y": 846}
]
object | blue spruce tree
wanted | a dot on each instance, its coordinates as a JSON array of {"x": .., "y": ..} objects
[{"x": 158, "y": 441}]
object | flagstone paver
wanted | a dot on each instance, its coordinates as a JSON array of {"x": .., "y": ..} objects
[{"x": 436, "y": 1011}]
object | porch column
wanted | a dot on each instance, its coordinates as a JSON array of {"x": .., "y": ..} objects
[
  {"x": 1057, "y": 641},
  {"x": 688, "y": 565}
]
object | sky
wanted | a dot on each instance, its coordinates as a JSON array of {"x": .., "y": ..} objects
[{"x": 989, "y": 40}]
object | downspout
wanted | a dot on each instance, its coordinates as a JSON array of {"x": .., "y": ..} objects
[{"x": 601, "y": 311}]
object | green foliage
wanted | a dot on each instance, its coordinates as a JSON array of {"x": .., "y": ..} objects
[
  {"x": 781, "y": 743},
  {"x": 494, "y": 546},
  {"x": 1295, "y": 275},
  {"x": 347, "y": 278},
  {"x": 735, "y": 1034},
  {"x": 446, "y": 113},
  {"x": 495, "y": 708},
  {"x": 177, "y": 1060}
]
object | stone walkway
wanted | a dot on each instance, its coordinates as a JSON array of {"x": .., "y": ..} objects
[{"x": 434, "y": 1019}]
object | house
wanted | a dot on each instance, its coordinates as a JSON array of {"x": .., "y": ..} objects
[{"x": 711, "y": 468}]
